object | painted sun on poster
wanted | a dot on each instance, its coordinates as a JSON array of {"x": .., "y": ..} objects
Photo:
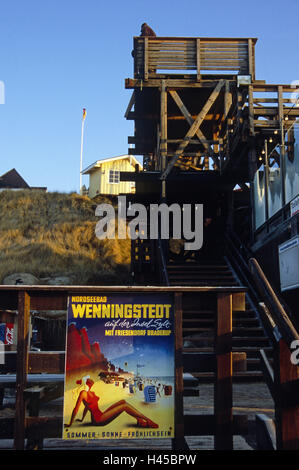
[{"x": 119, "y": 372}]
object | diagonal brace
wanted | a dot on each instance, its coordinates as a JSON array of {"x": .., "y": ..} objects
[
  {"x": 194, "y": 128},
  {"x": 188, "y": 116}
]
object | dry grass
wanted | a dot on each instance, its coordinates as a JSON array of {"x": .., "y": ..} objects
[{"x": 52, "y": 234}]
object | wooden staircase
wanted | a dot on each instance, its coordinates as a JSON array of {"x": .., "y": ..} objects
[{"x": 199, "y": 317}]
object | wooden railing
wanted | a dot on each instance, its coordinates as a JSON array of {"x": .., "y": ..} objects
[
  {"x": 183, "y": 55},
  {"x": 32, "y": 384},
  {"x": 283, "y": 379}
]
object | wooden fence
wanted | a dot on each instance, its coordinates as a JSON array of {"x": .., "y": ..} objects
[
  {"x": 183, "y": 55},
  {"x": 39, "y": 376}
]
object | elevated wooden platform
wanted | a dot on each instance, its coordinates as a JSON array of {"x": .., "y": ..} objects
[{"x": 192, "y": 121}]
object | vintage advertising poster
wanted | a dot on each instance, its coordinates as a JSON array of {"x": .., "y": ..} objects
[{"x": 120, "y": 370}]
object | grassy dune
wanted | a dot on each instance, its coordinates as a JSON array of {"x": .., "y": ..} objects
[{"x": 52, "y": 234}]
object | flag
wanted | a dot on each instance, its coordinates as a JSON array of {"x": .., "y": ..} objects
[{"x": 84, "y": 113}]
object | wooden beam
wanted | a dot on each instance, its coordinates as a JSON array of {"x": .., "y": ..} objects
[
  {"x": 282, "y": 146},
  {"x": 198, "y": 58},
  {"x": 223, "y": 384},
  {"x": 251, "y": 111},
  {"x": 194, "y": 128},
  {"x": 227, "y": 99},
  {"x": 179, "y": 443},
  {"x": 268, "y": 373},
  {"x": 145, "y": 64},
  {"x": 130, "y": 105},
  {"x": 22, "y": 368},
  {"x": 163, "y": 137},
  {"x": 250, "y": 60}
]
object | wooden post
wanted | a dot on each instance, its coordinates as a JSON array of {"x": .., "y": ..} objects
[
  {"x": 22, "y": 368},
  {"x": 145, "y": 58},
  {"x": 287, "y": 403},
  {"x": 163, "y": 140},
  {"x": 179, "y": 443},
  {"x": 251, "y": 110},
  {"x": 224, "y": 370},
  {"x": 282, "y": 145},
  {"x": 266, "y": 170},
  {"x": 198, "y": 58},
  {"x": 250, "y": 60}
]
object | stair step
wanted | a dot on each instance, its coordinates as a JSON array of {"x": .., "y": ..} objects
[
  {"x": 190, "y": 266},
  {"x": 245, "y": 374},
  {"x": 240, "y": 331},
  {"x": 197, "y": 330},
  {"x": 237, "y": 322},
  {"x": 235, "y": 339},
  {"x": 203, "y": 277},
  {"x": 204, "y": 284},
  {"x": 247, "y": 349},
  {"x": 248, "y": 331}
]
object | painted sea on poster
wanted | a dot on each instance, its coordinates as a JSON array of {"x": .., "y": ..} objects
[{"x": 119, "y": 370}]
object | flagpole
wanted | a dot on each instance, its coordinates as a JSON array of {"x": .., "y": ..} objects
[{"x": 81, "y": 155}]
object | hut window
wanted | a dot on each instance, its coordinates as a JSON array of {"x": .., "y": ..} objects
[{"x": 113, "y": 176}]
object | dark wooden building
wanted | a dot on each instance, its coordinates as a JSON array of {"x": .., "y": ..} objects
[{"x": 210, "y": 132}]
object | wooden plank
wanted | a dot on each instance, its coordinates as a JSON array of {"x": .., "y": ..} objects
[
  {"x": 273, "y": 111},
  {"x": 212, "y": 40},
  {"x": 198, "y": 56},
  {"x": 195, "y": 126},
  {"x": 239, "y": 302},
  {"x": 268, "y": 373},
  {"x": 163, "y": 136},
  {"x": 179, "y": 443},
  {"x": 206, "y": 67},
  {"x": 218, "y": 49},
  {"x": 64, "y": 291},
  {"x": 224, "y": 58},
  {"x": 266, "y": 123},
  {"x": 173, "y": 55},
  {"x": 251, "y": 114},
  {"x": 38, "y": 362},
  {"x": 22, "y": 367},
  {"x": 223, "y": 383},
  {"x": 227, "y": 99},
  {"x": 250, "y": 60},
  {"x": 282, "y": 146},
  {"x": 176, "y": 67},
  {"x": 265, "y": 100},
  {"x": 145, "y": 65},
  {"x": 50, "y": 362},
  {"x": 130, "y": 105}
]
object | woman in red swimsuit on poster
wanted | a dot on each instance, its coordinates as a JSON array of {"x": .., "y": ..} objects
[{"x": 101, "y": 418}]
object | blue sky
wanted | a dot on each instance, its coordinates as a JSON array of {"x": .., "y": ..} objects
[{"x": 57, "y": 57}]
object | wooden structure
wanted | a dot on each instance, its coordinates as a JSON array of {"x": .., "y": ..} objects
[
  {"x": 205, "y": 125},
  {"x": 188, "y": 120},
  {"x": 39, "y": 376}
]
